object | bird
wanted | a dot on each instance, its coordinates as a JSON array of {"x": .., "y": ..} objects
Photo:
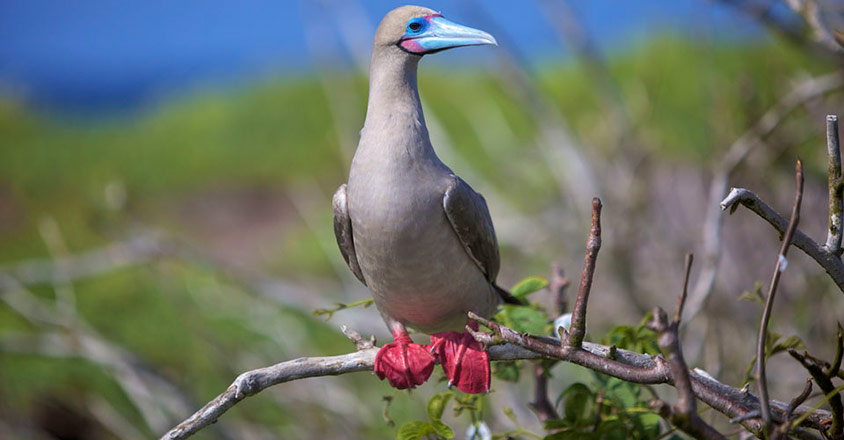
[{"x": 417, "y": 235}]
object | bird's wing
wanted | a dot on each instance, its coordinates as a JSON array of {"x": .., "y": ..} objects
[
  {"x": 469, "y": 217},
  {"x": 343, "y": 232}
]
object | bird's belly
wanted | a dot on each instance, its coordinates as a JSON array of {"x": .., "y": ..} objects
[{"x": 419, "y": 273}]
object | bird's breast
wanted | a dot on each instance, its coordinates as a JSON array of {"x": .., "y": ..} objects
[{"x": 413, "y": 262}]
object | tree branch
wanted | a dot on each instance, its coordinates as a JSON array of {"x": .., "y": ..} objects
[
  {"x": 779, "y": 268},
  {"x": 825, "y": 384},
  {"x": 625, "y": 365},
  {"x": 593, "y": 245},
  {"x": 836, "y": 205},
  {"x": 639, "y": 368},
  {"x": 831, "y": 264},
  {"x": 684, "y": 414},
  {"x": 541, "y": 405},
  {"x": 799, "y": 95}
]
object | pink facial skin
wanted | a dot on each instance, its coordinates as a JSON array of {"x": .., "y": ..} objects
[{"x": 411, "y": 45}]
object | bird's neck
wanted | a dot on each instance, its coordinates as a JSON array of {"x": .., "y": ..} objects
[{"x": 394, "y": 118}]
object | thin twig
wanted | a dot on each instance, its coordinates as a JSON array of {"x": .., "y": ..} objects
[
  {"x": 684, "y": 414},
  {"x": 636, "y": 368},
  {"x": 769, "y": 303},
  {"x": 824, "y": 382},
  {"x": 754, "y": 137},
  {"x": 831, "y": 264},
  {"x": 836, "y": 204},
  {"x": 558, "y": 285},
  {"x": 681, "y": 300},
  {"x": 541, "y": 405},
  {"x": 835, "y": 368},
  {"x": 593, "y": 245},
  {"x": 797, "y": 401}
]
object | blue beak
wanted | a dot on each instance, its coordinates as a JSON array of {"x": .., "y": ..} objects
[{"x": 434, "y": 33}]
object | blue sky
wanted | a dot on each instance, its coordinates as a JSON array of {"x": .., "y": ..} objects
[{"x": 101, "y": 53}]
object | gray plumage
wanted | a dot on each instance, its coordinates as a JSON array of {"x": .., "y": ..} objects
[{"x": 417, "y": 235}]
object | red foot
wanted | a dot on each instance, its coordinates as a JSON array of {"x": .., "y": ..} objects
[
  {"x": 403, "y": 363},
  {"x": 464, "y": 360}
]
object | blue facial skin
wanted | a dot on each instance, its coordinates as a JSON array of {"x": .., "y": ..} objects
[{"x": 434, "y": 33}]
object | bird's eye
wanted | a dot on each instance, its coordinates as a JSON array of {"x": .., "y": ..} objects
[{"x": 414, "y": 26}]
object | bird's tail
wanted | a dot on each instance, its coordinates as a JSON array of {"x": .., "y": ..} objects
[{"x": 507, "y": 297}]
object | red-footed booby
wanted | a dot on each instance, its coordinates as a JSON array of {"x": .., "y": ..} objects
[{"x": 412, "y": 231}]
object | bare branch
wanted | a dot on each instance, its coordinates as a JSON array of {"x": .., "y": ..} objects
[
  {"x": 681, "y": 301},
  {"x": 637, "y": 368},
  {"x": 769, "y": 302},
  {"x": 558, "y": 285},
  {"x": 360, "y": 343},
  {"x": 831, "y": 264},
  {"x": 797, "y": 401},
  {"x": 836, "y": 205},
  {"x": 825, "y": 384},
  {"x": 625, "y": 365},
  {"x": 252, "y": 382},
  {"x": 835, "y": 368},
  {"x": 541, "y": 405},
  {"x": 799, "y": 95},
  {"x": 684, "y": 414},
  {"x": 593, "y": 245}
]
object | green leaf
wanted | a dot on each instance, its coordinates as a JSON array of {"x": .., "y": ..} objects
[
  {"x": 506, "y": 370},
  {"x": 790, "y": 342},
  {"x": 578, "y": 404},
  {"x": 511, "y": 415},
  {"x": 649, "y": 424},
  {"x": 525, "y": 319},
  {"x": 467, "y": 402},
  {"x": 639, "y": 339},
  {"x": 754, "y": 296},
  {"x": 613, "y": 430},
  {"x": 443, "y": 429},
  {"x": 415, "y": 430},
  {"x": 436, "y": 405},
  {"x": 527, "y": 286},
  {"x": 624, "y": 394},
  {"x": 555, "y": 424},
  {"x": 342, "y": 306}
]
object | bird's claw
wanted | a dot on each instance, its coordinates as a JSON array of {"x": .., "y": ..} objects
[
  {"x": 403, "y": 363},
  {"x": 464, "y": 360}
]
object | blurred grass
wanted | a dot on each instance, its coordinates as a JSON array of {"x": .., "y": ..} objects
[{"x": 689, "y": 100}]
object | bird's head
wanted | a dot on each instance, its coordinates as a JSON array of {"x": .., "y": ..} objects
[{"x": 419, "y": 31}]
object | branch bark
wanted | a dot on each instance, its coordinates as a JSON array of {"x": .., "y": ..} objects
[
  {"x": 684, "y": 414},
  {"x": 834, "y": 183},
  {"x": 625, "y": 365},
  {"x": 769, "y": 302},
  {"x": 831, "y": 264},
  {"x": 593, "y": 245}
]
